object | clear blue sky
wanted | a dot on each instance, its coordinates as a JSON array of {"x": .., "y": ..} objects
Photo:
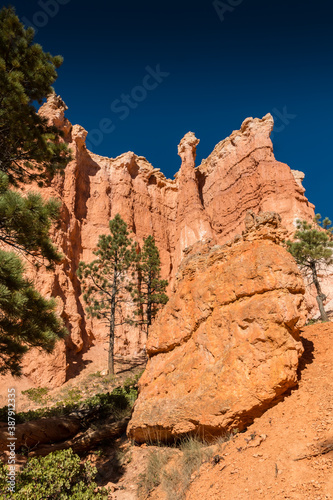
[{"x": 219, "y": 62}]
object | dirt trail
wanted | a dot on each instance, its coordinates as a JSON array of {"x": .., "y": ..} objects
[{"x": 260, "y": 463}]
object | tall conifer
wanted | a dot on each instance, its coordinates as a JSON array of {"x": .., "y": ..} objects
[
  {"x": 30, "y": 151},
  {"x": 149, "y": 295},
  {"x": 104, "y": 280}
]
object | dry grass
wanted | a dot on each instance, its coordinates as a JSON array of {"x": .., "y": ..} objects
[
  {"x": 174, "y": 477},
  {"x": 157, "y": 459},
  {"x": 194, "y": 453}
]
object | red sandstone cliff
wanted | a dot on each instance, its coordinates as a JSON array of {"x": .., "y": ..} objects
[{"x": 208, "y": 201}]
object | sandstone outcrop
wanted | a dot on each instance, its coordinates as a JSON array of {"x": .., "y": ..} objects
[
  {"x": 192, "y": 221},
  {"x": 205, "y": 202},
  {"x": 226, "y": 344}
]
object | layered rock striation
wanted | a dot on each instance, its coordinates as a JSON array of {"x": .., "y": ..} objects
[
  {"x": 227, "y": 343},
  {"x": 205, "y": 202}
]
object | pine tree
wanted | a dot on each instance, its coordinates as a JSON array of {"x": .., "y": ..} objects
[
  {"x": 104, "y": 279},
  {"x": 30, "y": 151},
  {"x": 25, "y": 222},
  {"x": 312, "y": 251},
  {"x": 26, "y": 318},
  {"x": 150, "y": 295}
]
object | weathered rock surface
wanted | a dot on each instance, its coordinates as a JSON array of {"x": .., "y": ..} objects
[
  {"x": 209, "y": 201},
  {"x": 226, "y": 344},
  {"x": 299, "y": 426}
]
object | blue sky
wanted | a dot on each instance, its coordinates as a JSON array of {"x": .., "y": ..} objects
[{"x": 215, "y": 63}]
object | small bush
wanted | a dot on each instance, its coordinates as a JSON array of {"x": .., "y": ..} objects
[
  {"x": 95, "y": 375},
  {"x": 37, "y": 395},
  {"x": 58, "y": 476},
  {"x": 313, "y": 321},
  {"x": 72, "y": 396},
  {"x": 174, "y": 484},
  {"x": 195, "y": 452}
]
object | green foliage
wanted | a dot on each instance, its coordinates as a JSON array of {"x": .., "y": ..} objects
[
  {"x": 150, "y": 295},
  {"x": 104, "y": 279},
  {"x": 36, "y": 395},
  {"x": 70, "y": 397},
  {"x": 312, "y": 250},
  {"x": 312, "y": 245},
  {"x": 58, "y": 476},
  {"x": 117, "y": 403},
  {"x": 30, "y": 149},
  {"x": 26, "y": 319},
  {"x": 325, "y": 224},
  {"x": 25, "y": 222}
]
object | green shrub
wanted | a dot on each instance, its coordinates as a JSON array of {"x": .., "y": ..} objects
[
  {"x": 73, "y": 396},
  {"x": 313, "y": 321},
  {"x": 58, "y": 476},
  {"x": 118, "y": 403},
  {"x": 37, "y": 395}
]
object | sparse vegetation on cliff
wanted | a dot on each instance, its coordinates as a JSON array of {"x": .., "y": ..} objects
[
  {"x": 173, "y": 469},
  {"x": 119, "y": 403}
]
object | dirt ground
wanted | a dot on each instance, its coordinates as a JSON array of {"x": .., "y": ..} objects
[
  {"x": 262, "y": 462},
  {"x": 287, "y": 453}
]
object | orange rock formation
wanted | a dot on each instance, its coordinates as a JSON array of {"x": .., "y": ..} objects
[
  {"x": 226, "y": 344},
  {"x": 208, "y": 201}
]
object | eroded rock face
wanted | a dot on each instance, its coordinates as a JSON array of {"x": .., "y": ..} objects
[
  {"x": 226, "y": 344},
  {"x": 208, "y": 202}
]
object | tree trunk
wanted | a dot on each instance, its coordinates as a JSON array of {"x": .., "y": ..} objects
[
  {"x": 148, "y": 309},
  {"x": 320, "y": 296},
  {"x": 323, "y": 314},
  {"x": 112, "y": 325}
]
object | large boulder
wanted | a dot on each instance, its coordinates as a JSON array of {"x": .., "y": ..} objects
[{"x": 227, "y": 343}]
